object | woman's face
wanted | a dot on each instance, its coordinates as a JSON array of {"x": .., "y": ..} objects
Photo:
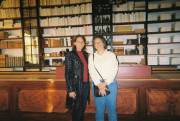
[
  {"x": 98, "y": 44},
  {"x": 79, "y": 44}
]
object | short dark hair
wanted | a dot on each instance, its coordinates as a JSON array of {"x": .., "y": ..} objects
[
  {"x": 74, "y": 39},
  {"x": 103, "y": 40}
]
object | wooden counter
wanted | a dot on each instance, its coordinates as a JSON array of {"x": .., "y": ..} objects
[{"x": 139, "y": 99}]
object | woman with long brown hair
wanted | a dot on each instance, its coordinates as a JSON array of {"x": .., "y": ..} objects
[{"x": 77, "y": 78}]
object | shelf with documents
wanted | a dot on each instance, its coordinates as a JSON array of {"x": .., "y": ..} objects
[
  {"x": 11, "y": 47},
  {"x": 125, "y": 23},
  {"x": 164, "y": 9},
  {"x": 60, "y": 27},
  {"x": 163, "y": 21},
  {"x": 171, "y": 54},
  {"x": 14, "y": 28},
  {"x": 166, "y": 32},
  {"x": 69, "y": 15},
  {"x": 129, "y": 20},
  {"x": 16, "y": 38},
  {"x": 10, "y": 18},
  {"x": 131, "y": 11},
  {"x": 61, "y": 5},
  {"x": 163, "y": 32},
  {"x": 126, "y": 33},
  {"x": 119, "y": 23},
  {"x": 65, "y": 36},
  {"x": 65, "y": 26}
]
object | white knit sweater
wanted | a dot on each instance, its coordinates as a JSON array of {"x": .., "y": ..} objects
[{"x": 106, "y": 64}]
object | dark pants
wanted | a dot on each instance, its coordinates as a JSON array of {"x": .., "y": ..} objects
[{"x": 80, "y": 105}]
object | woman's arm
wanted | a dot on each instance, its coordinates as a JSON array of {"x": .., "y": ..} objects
[
  {"x": 92, "y": 71},
  {"x": 69, "y": 72},
  {"x": 113, "y": 69}
]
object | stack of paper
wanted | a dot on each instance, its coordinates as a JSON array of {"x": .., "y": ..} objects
[
  {"x": 165, "y": 16},
  {"x": 123, "y": 28},
  {"x": 165, "y": 39},
  {"x": 176, "y": 51},
  {"x": 152, "y": 50},
  {"x": 176, "y": 38},
  {"x": 165, "y": 51},
  {"x": 177, "y": 26},
  {"x": 166, "y": 4},
  {"x": 164, "y": 60},
  {"x": 152, "y": 60},
  {"x": 175, "y": 60},
  {"x": 153, "y": 5},
  {"x": 153, "y": 39}
]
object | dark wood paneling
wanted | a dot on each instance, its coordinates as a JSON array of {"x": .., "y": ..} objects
[
  {"x": 127, "y": 101},
  {"x": 163, "y": 102},
  {"x": 4, "y": 100},
  {"x": 138, "y": 100}
]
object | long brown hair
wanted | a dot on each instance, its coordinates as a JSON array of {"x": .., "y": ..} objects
[{"x": 74, "y": 39}]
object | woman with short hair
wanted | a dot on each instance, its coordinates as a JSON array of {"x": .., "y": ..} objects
[{"x": 103, "y": 65}]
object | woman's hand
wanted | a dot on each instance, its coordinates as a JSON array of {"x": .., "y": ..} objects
[
  {"x": 102, "y": 89},
  {"x": 72, "y": 95}
]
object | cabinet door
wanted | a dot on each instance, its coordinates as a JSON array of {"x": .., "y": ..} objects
[
  {"x": 163, "y": 102},
  {"x": 127, "y": 101},
  {"x": 42, "y": 100},
  {"x": 3, "y": 100}
]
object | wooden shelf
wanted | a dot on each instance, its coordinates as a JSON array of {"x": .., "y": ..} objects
[
  {"x": 163, "y": 43},
  {"x": 13, "y": 48},
  {"x": 172, "y": 54},
  {"x": 71, "y": 4},
  {"x": 162, "y": 21},
  {"x": 4, "y": 29},
  {"x": 58, "y": 47},
  {"x": 164, "y": 32},
  {"x": 29, "y": 7},
  {"x": 11, "y": 7},
  {"x": 128, "y": 11},
  {"x": 80, "y": 14},
  {"x": 10, "y": 18},
  {"x": 11, "y": 38},
  {"x": 12, "y": 67},
  {"x": 44, "y": 27},
  {"x": 64, "y": 36},
  {"x": 127, "y": 45},
  {"x": 163, "y": 9},
  {"x": 126, "y": 33},
  {"x": 30, "y": 17},
  {"x": 125, "y": 23},
  {"x": 130, "y": 55}
]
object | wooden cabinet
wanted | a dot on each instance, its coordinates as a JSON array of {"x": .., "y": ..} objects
[{"x": 163, "y": 102}]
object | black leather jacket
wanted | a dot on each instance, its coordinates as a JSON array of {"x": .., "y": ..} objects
[{"x": 74, "y": 72}]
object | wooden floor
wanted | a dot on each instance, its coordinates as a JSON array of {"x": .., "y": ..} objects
[{"x": 48, "y": 117}]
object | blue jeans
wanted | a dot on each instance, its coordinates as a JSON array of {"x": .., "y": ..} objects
[{"x": 108, "y": 102}]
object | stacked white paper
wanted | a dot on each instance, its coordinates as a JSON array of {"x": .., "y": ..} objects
[
  {"x": 153, "y": 17},
  {"x": 176, "y": 50},
  {"x": 177, "y": 26},
  {"x": 175, "y": 60},
  {"x": 165, "y": 51},
  {"x": 152, "y": 50},
  {"x": 153, "y": 5},
  {"x": 165, "y": 39},
  {"x": 166, "y": 4},
  {"x": 165, "y": 16},
  {"x": 152, "y": 60},
  {"x": 153, "y": 39},
  {"x": 164, "y": 60},
  {"x": 176, "y": 38}
]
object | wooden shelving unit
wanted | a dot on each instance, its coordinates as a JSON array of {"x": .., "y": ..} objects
[{"x": 92, "y": 22}]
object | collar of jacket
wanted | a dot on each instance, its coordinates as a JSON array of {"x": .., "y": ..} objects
[{"x": 84, "y": 53}]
